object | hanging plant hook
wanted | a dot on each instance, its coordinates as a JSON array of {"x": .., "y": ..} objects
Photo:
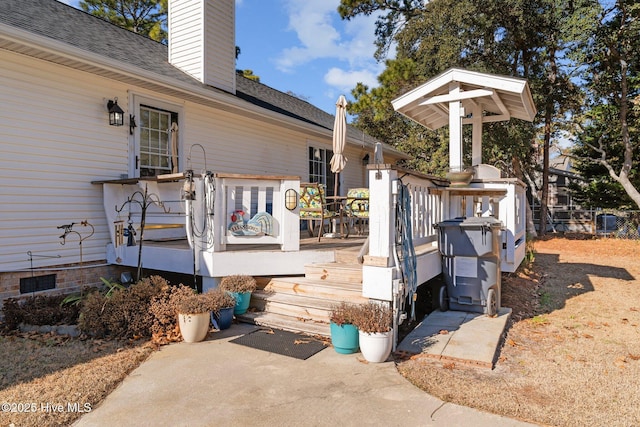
[{"x": 144, "y": 199}]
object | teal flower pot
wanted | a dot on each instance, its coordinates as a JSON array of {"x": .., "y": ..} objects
[
  {"x": 242, "y": 302},
  {"x": 344, "y": 338}
]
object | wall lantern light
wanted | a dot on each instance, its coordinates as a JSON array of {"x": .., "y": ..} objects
[
  {"x": 291, "y": 199},
  {"x": 365, "y": 160},
  {"x": 116, "y": 114}
]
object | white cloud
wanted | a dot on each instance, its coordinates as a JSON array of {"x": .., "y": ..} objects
[
  {"x": 323, "y": 35},
  {"x": 345, "y": 80}
]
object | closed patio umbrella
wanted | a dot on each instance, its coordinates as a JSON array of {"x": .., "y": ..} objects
[
  {"x": 174, "y": 147},
  {"x": 339, "y": 161}
]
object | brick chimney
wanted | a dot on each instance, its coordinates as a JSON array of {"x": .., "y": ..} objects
[{"x": 202, "y": 40}]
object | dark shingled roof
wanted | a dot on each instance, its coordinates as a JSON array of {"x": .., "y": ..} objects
[{"x": 65, "y": 24}]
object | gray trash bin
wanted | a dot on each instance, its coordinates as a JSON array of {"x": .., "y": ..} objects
[{"x": 470, "y": 249}]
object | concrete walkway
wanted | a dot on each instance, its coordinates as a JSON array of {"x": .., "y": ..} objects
[
  {"x": 218, "y": 383},
  {"x": 457, "y": 336}
]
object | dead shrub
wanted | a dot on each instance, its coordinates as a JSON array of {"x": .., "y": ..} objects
[
  {"x": 38, "y": 310},
  {"x": 240, "y": 283},
  {"x": 123, "y": 313},
  {"x": 343, "y": 313},
  {"x": 219, "y": 299},
  {"x": 373, "y": 317},
  {"x": 164, "y": 309}
]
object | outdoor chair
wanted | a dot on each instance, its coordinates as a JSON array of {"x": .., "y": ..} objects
[
  {"x": 356, "y": 208},
  {"x": 314, "y": 206}
]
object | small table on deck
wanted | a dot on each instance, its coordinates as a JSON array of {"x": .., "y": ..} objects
[{"x": 338, "y": 203}]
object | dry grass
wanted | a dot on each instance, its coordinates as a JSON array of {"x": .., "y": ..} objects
[
  {"x": 39, "y": 372},
  {"x": 572, "y": 355}
]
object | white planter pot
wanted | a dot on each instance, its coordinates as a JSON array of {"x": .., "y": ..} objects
[
  {"x": 194, "y": 327},
  {"x": 376, "y": 347}
]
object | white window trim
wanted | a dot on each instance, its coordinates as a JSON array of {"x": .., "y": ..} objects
[
  {"x": 329, "y": 151},
  {"x": 135, "y": 100}
]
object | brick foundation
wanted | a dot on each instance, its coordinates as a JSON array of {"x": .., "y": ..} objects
[{"x": 69, "y": 278}]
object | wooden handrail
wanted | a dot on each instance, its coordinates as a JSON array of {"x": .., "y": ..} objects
[{"x": 256, "y": 177}]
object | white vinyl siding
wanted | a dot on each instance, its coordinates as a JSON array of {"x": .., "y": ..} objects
[
  {"x": 55, "y": 140},
  {"x": 186, "y": 41},
  {"x": 238, "y": 144},
  {"x": 202, "y": 41},
  {"x": 220, "y": 45}
]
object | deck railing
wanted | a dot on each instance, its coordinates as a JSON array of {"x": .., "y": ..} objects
[
  {"x": 426, "y": 206},
  {"x": 250, "y": 210},
  {"x": 502, "y": 198},
  {"x": 212, "y": 211},
  {"x": 382, "y": 266}
]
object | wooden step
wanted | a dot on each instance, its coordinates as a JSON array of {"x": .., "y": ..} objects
[
  {"x": 296, "y": 306},
  {"x": 303, "y": 304},
  {"x": 334, "y": 272},
  {"x": 338, "y": 291},
  {"x": 286, "y": 323},
  {"x": 347, "y": 256}
]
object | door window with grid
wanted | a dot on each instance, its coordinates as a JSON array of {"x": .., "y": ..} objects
[
  {"x": 158, "y": 150},
  {"x": 320, "y": 168}
]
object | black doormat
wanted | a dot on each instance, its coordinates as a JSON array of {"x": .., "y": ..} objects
[{"x": 281, "y": 342}]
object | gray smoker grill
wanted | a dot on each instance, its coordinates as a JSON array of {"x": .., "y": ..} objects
[{"x": 470, "y": 249}]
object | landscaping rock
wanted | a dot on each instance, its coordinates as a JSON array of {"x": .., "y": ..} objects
[{"x": 70, "y": 330}]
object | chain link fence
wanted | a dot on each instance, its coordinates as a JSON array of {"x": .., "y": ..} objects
[
  {"x": 621, "y": 224},
  {"x": 618, "y": 224}
]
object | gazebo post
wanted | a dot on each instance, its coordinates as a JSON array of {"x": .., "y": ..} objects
[
  {"x": 445, "y": 98},
  {"x": 476, "y": 150},
  {"x": 455, "y": 128}
]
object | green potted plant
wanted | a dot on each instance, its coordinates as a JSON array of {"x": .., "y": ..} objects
[
  {"x": 344, "y": 334},
  {"x": 240, "y": 286},
  {"x": 222, "y": 306},
  {"x": 194, "y": 316},
  {"x": 375, "y": 335}
]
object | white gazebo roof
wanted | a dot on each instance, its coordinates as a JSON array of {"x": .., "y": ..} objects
[{"x": 458, "y": 97}]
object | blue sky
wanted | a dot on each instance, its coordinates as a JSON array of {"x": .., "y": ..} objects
[{"x": 303, "y": 46}]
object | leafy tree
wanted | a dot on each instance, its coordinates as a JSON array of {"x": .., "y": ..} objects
[
  {"x": 397, "y": 13},
  {"x": 522, "y": 38},
  {"x": 376, "y": 116},
  {"x": 146, "y": 17},
  {"x": 607, "y": 147},
  {"x": 432, "y": 37},
  {"x": 556, "y": 24}
]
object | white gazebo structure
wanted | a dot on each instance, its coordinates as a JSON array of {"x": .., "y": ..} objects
[{"x": 458, "y": 97}]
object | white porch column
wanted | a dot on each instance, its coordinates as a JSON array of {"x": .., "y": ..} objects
[
  {"x": 476, "y": 150},
  {"x": 455, "y": 128},
  {"x": 381, "y": 210},
  {"x": 378, "y": 268},
  {"x": 290, "y": 219}
]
